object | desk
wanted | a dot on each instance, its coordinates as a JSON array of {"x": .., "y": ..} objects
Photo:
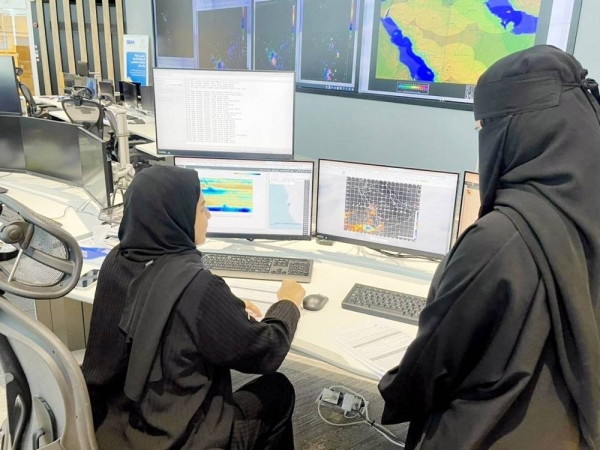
[
  {"x": 145, "y": 130},
  {"x": 336, "y": 270}
]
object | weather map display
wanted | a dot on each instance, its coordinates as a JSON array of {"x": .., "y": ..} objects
[
  {"x": 228, "y": 195},
  {"x": 328, "y": 48},
  {"x": 223, "y": 35},
  {"x": 426, "y": 49},
  {"x": 255, "y": 199},
  {"x": 440, "y": 48},
  {"x": 386, "y": 207},
  {"x": 382, "y": 208},
  {"x": 275, "y": 31}
]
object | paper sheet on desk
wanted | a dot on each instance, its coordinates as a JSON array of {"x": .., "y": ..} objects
[
  {"x": 262, "y": 293},
  {"x": 94, "y": 254},
  {"x": 378, "y": 346}
]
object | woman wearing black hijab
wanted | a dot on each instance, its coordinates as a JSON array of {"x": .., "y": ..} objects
[
  {"x": 165, "y": 334},
  {"x": 508, "y": 350}
]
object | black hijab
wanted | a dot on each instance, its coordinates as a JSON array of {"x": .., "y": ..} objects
[
  {"x": 157, "y": 229},
  {"x": 539, "y": 159}
]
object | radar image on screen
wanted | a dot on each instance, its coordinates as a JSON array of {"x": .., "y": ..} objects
[
  {"x": 382, "y": 208},
  {"x": 174, "y": 28},
  {"x": 328, "y": 28},
  {"x": 228, "y": 195},
  {"x": 451, "y": 41},
  {"x": 275, "y": 35},
  {"x": 222, "y": 39}
]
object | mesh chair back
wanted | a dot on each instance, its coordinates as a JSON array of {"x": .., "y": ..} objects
[
  {"x": 32, "y": 108},
  {"x": 87, "y": 113},
  {"x": 47, "y": 399}
]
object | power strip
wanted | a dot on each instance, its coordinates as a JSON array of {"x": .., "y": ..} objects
[{"x": 342, "y": 401}]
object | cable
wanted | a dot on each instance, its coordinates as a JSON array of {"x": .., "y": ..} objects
[
  {"x": 404, "y": 255},
  {"x": 391, "y": 437},
  {"x": 63, "y": 214}
]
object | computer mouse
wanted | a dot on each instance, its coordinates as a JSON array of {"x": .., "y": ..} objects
[{"x": 314, "y": 302}]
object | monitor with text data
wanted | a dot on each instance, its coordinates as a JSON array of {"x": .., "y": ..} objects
[
  {"x": 255, "y": 199},
  {"x": 390, "y": 208},
  {"x": 471, "y": 202},
  {"x": 237, "y": 114}
]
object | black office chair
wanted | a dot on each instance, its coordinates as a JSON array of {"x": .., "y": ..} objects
[
  {"x": 48, "y": 403},
  {"x": 82, "y": 91},
  {"x": 33, "y": 109},
  {"x": 86, "y": 113}
]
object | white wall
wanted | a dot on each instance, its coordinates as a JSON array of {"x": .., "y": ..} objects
[{"x": 390, "y": 133}]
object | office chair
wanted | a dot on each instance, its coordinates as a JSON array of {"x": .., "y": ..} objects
[
  {"x": 47, "y": 400},
  {"x": 82, "y": 91},
  {"x": 87, "y": 113},
  {"x": 33, "y": 109}
]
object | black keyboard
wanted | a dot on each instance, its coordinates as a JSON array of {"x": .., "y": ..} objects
[
  {"x": 383, "y": 303},
  {"x": 258, "y": 267}
]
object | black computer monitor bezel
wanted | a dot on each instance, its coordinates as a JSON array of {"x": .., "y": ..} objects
[
  {"x": 273, "y": 237},
  {"x": 393, "y": 248},
  {"x": 462, "y": 200},
  {"x": 22, "y": 169},
  {"x": 226, "y": 155},
  {"x": 17, "y": 91},
  {"x": 79, "y": 184}
]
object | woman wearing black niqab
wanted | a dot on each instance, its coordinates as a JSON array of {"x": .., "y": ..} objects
[
  {"x": 165, "y": 333},
  {"x": 508, "y": 350}
]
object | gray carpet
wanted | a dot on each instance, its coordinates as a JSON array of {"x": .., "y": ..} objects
[{"x": 310, "y": 432}]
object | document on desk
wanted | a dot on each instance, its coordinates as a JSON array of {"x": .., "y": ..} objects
[
  {"x": 262, "y": 293},
  {"x": 379, "y": 347}
]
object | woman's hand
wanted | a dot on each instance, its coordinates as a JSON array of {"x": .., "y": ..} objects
[{"x": 252, "y": 309}]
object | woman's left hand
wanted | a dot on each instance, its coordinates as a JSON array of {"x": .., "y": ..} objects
[{"x": 252, "y": 309}]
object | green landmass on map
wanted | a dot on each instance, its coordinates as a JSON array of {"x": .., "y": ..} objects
[{"x": 458, "y": 39}]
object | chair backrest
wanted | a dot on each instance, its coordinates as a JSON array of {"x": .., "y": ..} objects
[
  {"x": 32, "y": 109},
  {"x": 47, "y": 400},
  {"x": 88, "y": 113},
  {"x": 83, "y": 69}
]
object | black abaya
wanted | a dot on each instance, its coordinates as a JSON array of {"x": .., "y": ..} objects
[{"x": 508, "y": 350}]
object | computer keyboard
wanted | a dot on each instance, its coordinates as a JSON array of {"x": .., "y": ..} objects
[
  {"x": 383, "y": 303},
  {"x": 258, "y": 267}
]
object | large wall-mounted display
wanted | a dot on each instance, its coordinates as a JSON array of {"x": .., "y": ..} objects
[{"x": 428, "y": 49}]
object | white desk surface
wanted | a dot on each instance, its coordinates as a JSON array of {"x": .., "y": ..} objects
[
  {"x": 66, "y": 204},
  {"x": 335, "y": 271},
  {"x": 149, "y": 148}
]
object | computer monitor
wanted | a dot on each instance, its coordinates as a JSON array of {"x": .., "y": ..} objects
[
  {"x": 94, "y": 168},
  {"x": 10, "y": 101},
  {"x": 129, "y": 94},
  {"x": 470, "y": 203},
  {"x": 147, "y": 96},
  {"x": 390, "y": 208},
  {"x": 12, "y": 157},
  {"x": 256, "y": 199},
  {"x": 236, "y": 114},
  {"x": 106, "y": 88},
  {"x": 52, "y": 149}
]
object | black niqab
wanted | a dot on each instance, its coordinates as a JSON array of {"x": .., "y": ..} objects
[
  {"x": 539, "y": 165},
  {"x": 158, "y": 229}
]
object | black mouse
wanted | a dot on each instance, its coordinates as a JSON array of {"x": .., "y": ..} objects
[{"x": 314, "y": 302}]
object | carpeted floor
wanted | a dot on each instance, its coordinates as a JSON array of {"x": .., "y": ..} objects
[
  {"x": 309, "y": 377},
  {"x": 311, "y": 433}
]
